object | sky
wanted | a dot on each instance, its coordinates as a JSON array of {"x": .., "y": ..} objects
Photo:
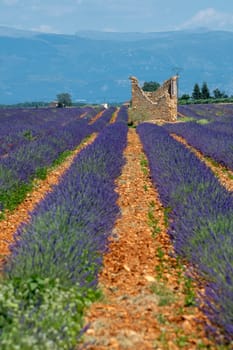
[{"x": 72, "y": 16}]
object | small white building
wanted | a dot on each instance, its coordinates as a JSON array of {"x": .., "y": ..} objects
[{"x": 53, "y": 104}]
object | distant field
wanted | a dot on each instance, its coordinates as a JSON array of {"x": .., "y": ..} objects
[{"x": 51, "y": 274}]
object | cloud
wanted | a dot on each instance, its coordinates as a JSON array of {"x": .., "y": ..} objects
[
  {"x": 209, "y": 18},
  {"x": 44, "y": 28}
]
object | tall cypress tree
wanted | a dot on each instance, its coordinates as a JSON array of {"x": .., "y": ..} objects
[
  {"x": 196, "y": 94},
  {"x": 205, "y": 93}
]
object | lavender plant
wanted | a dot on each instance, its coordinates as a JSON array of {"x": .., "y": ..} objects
[
  {"x": 214, "y": 141},
  {"x": 19, "y": 126},
  {"x": 83, "y": 204},
  {"x": 200, "y": 217},
  {"x": 122, "y": 114},
  {"x": 63, "y": 242},
  {"x": 211, "y": 112},
  {"x": 105, "y": 118},
  {"x": 38, "y": 150}
]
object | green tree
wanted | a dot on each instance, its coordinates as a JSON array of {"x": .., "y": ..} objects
[
  {"x": 219, "y": 94},
  {"x": 64, "y": 99},
  {"x": 150, "y": 86},
  {"x": 185, "y": 97},
  {"x": 205, "y": 93},
  {"x": 196, "y": 94}
]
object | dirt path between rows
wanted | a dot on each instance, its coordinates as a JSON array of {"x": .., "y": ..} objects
[
  {"x": 224, "y": 175},
  {"x": 145, "y": 303},
  {"x": 21, "y": 214},
  {"x": 96, "y": 117}
]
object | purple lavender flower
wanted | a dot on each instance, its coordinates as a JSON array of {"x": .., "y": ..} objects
[{"x": 200, "y": 217}]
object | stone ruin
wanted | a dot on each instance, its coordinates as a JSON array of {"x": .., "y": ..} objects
[{"x": 157, "y": 106}]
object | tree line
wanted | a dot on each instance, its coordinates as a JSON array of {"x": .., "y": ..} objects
[
  {"x": 200, "y": 94},
  {"x": 203, "y": 93}
]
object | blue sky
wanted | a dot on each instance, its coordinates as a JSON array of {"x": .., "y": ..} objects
[{"x": 71, "y": 16}]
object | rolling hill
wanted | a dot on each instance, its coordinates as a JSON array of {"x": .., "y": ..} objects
[{"x": 95, "y": 66}]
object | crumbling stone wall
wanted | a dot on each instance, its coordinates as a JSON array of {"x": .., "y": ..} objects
[{"x": 159, "y": 105}]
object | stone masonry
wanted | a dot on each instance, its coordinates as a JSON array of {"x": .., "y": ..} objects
[{"x": 156, "y": 106}]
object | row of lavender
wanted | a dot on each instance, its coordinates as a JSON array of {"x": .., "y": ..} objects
[
  {"x": 51, "y": 274},
  {"x": 214, "y": 138},
  {"x": 18, "y": 126},
  {"x": 105, "y": 118},
  {"x": 33, "y": 141},
  {"x": 122, "y": 115},
  {"x": 211, "y": 112},
  {"x": 200, "y": 218}
]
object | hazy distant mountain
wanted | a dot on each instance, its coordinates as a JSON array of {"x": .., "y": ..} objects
[
  {"x": 16, "y": 33},
  {"x": 95, "y": 66},
  {"x": 121, "y": 36}
]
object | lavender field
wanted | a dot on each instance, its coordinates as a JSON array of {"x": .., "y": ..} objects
[
  {"x": 56, "y": 257},
  {"x": 33, "y": 140},
  {"x": 200, "y": 217},
  {"x": 51, "y": 275},
  {"x": 209, "y": 131}
]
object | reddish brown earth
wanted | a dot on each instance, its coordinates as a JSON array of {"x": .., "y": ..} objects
[
  {"x": 96, "y": 117},
  {"x": 13, "y": 219},
  {"x": 114, "y": 116},
  {"x": 144, "y": 303},
  {"x": 224, "y": 175},
  {"x": 143, "y": 306}
]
